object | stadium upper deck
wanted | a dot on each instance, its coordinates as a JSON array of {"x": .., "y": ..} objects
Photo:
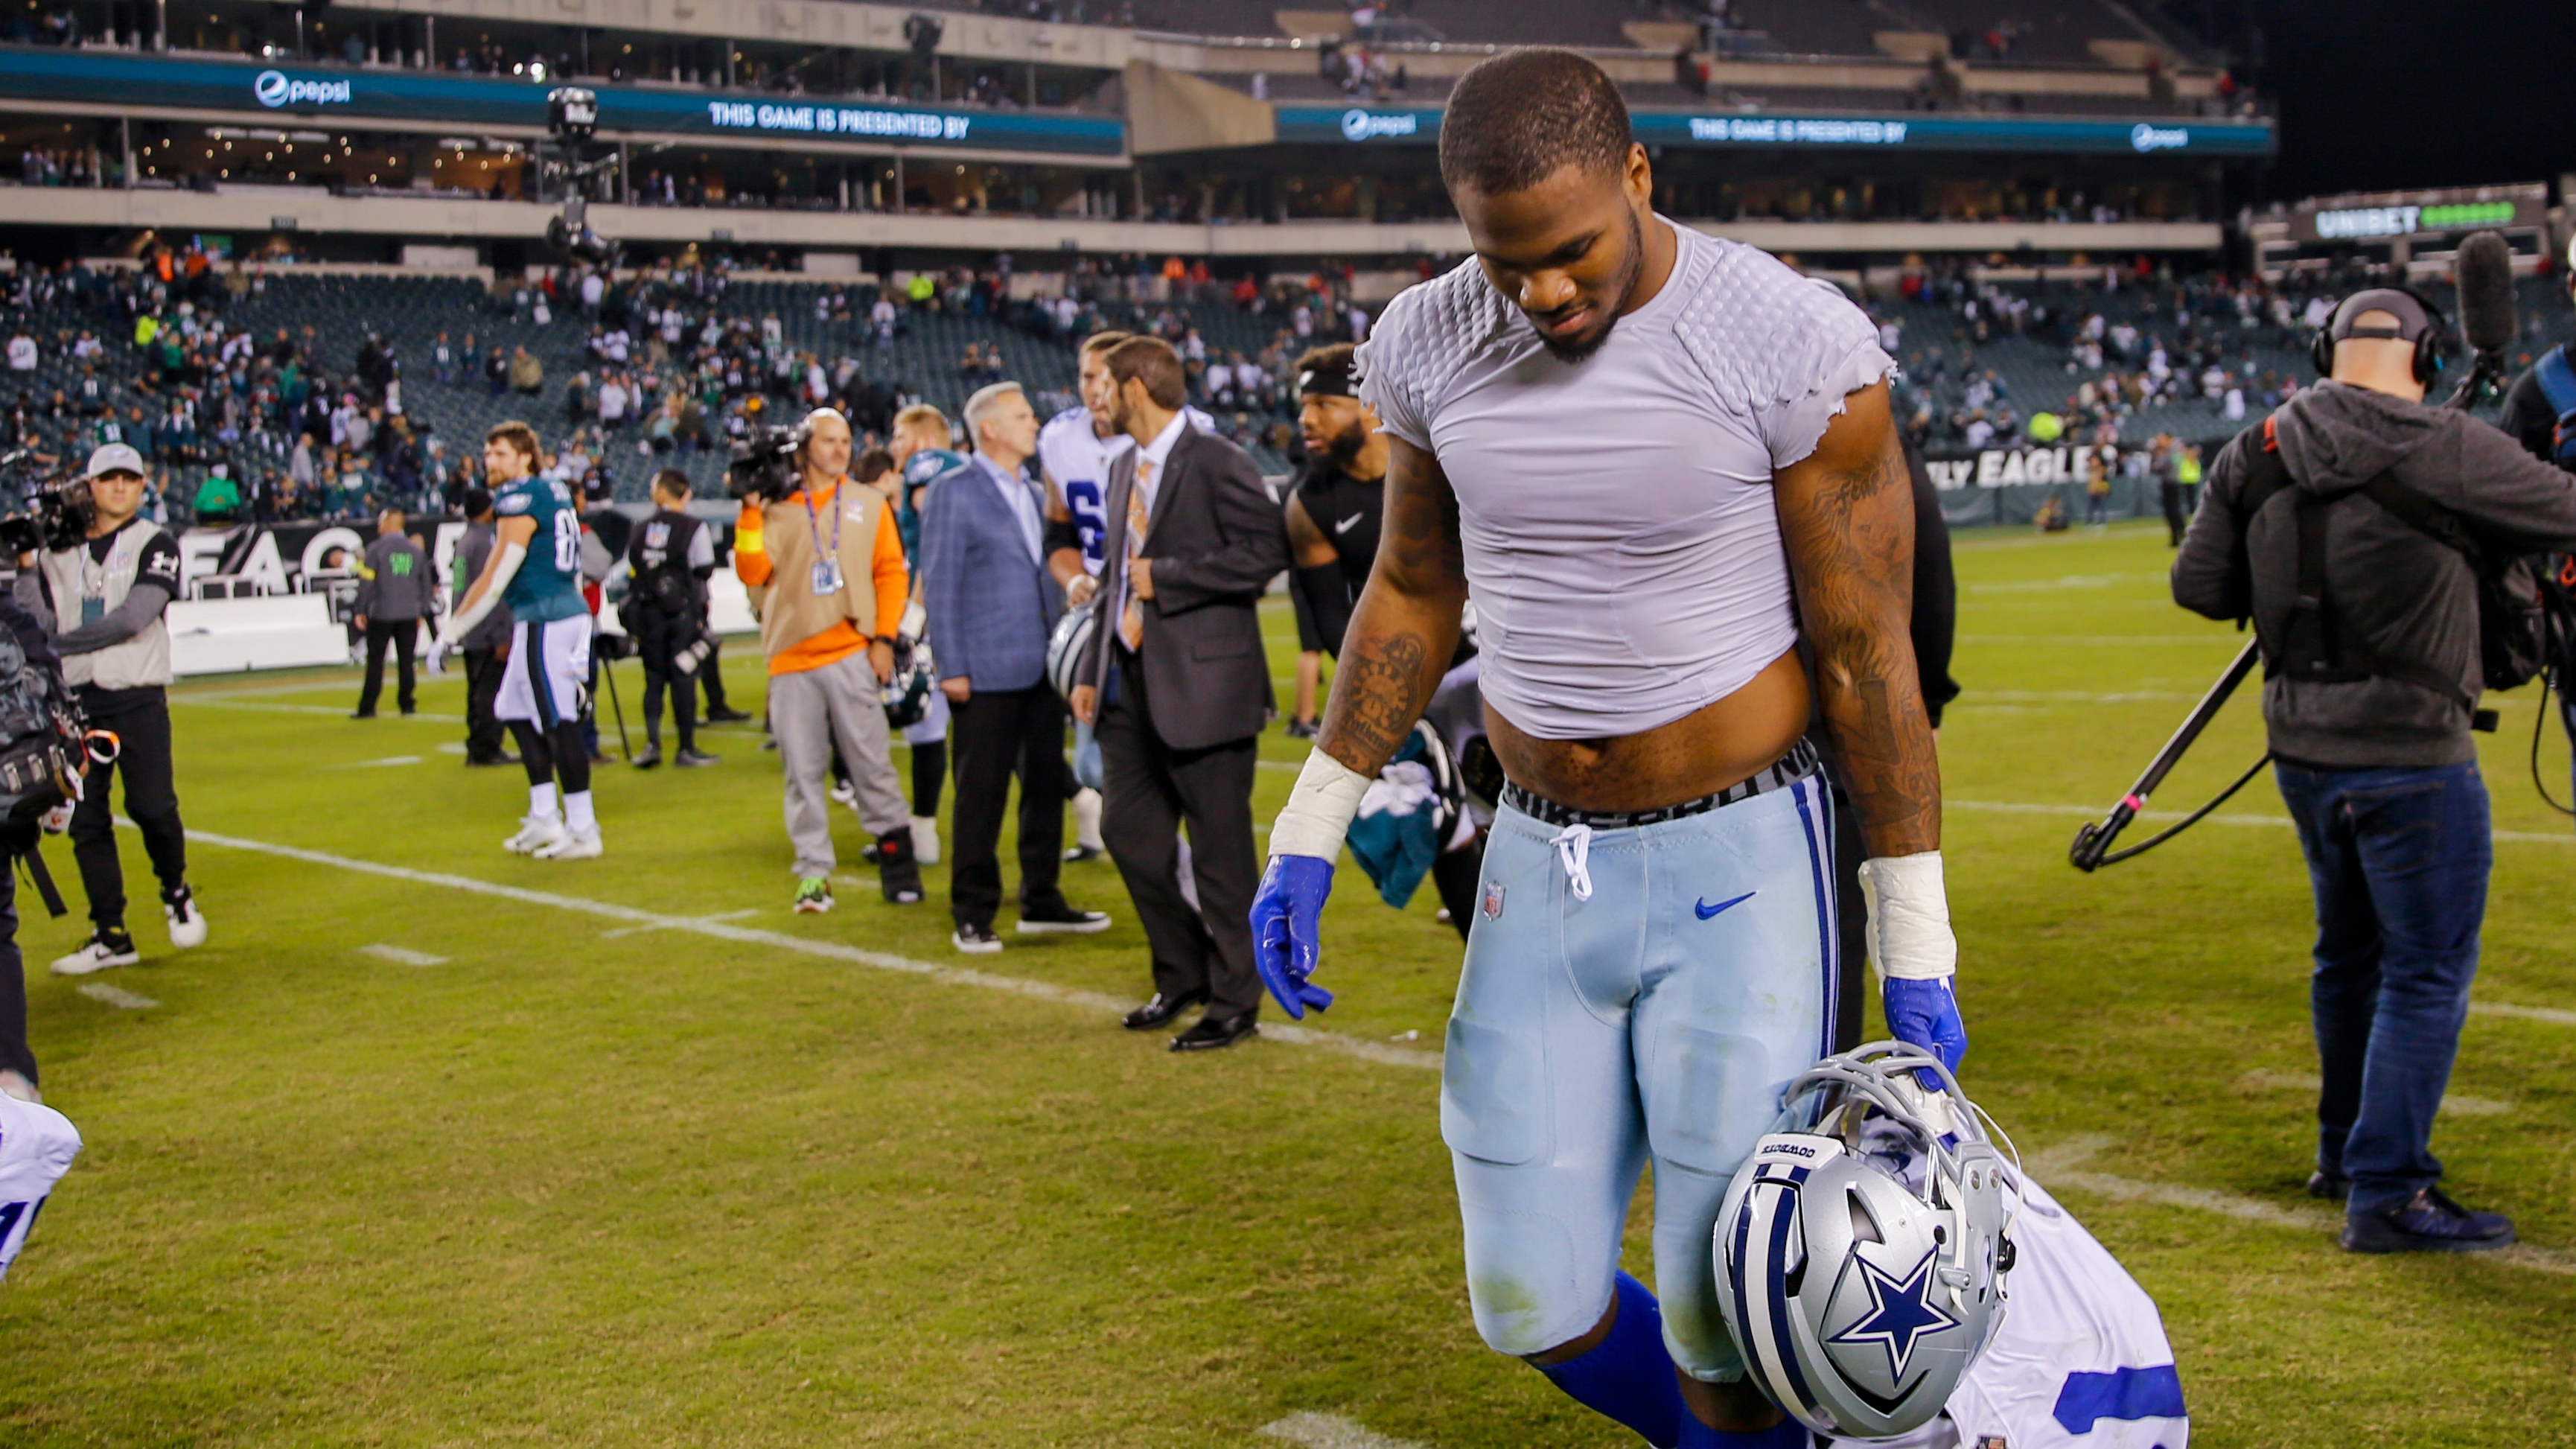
[{"x": 1831, "y": 128}]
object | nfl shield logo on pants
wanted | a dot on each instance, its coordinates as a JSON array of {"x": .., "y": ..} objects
[{"x": 1493, "y": 899}]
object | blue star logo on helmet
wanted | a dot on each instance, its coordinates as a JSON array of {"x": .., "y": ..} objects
[{"x": 1901, "y": 1312}]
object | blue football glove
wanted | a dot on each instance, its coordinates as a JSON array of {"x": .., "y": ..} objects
[
  {"x": 1287, "y": 930},
  {"x": 1926, "y": 1014}
]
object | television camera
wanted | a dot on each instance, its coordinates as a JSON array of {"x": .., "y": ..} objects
[
  {"x": 572, "y": 118},
  {"x": 765, "y": 465},
  {"x": 56, "y": 514}
]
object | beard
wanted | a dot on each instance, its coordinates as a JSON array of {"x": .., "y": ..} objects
[
  {"x": 1631, "y": 266},
  {"x": 1344, "y": 446}
]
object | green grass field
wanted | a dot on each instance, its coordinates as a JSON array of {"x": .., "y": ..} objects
[{"x": 644, "y": 1158}]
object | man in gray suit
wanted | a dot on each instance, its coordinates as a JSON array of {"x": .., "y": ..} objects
[
  {"x": 991, "y": 605},
  {"x": 1179, "y": 689}
]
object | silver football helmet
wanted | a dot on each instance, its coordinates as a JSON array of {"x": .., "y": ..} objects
[
  {"x": 1862, "y": 1248},
  {"x": 1065, "y": 649}
]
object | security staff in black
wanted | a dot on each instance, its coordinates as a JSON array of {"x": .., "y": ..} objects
[
  {"x": 103, "y": 602},
  {"x": 671, "y": 555}
]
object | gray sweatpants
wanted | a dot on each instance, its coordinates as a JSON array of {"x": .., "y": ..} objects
[{"x": 808, "y": 710}]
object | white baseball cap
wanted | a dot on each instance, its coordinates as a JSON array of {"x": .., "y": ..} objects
[{"x": 116, "y": 458}]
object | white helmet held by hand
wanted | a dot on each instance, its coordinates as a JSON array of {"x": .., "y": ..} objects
[{"x": 1862, "y": 1248}]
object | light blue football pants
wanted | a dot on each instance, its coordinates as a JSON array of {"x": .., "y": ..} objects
[{"x": 1633, "y": 992}]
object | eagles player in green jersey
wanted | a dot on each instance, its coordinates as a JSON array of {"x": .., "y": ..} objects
[{"x": 536, "y": 569}]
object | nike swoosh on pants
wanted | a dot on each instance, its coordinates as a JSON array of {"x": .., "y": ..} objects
[{"x": 1705, "y": 911}]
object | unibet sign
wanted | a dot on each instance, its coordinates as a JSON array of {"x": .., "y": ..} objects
[{"x": 272, "y": 88}]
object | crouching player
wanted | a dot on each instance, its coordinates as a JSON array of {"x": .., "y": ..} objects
[{"x": 1666, "y": 467}]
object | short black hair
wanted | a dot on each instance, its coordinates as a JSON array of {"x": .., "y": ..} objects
[{"x": 1515, "y": 120}]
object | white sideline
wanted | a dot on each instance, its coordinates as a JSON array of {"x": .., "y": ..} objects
[
  {"x": 2058, "y": 1167},
  {"x": 401, "y": 956},
  {"x": 1331, "y": 1431},
  {"x": 211, "y": 703},
  {"x": 829, "y": 950},
  {"x": 116, "y": 996},
  {"x": 2550, "y": 1014},
  {"x": 2088, "y": 812}
]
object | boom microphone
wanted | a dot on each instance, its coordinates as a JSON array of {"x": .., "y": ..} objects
[{"x": 2482, "y": 271}]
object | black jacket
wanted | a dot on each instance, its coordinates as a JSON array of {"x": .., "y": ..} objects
[
  {"x": 2401, "y": 592},
  {"x": 1217, "y": 540}
]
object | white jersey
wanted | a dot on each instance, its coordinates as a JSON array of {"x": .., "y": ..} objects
[
  {"x": 37, "y": 1145},
  {"x": 1076, "y": 459},
  {"x": 2080, "y": 1362},
  {"x": 1622, "y": 543}
]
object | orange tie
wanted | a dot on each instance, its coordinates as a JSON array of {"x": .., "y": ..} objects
[{"x": 1131, "y": 620}]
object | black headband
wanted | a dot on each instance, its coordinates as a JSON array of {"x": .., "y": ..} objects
[{"x": 1327, "y": 380}]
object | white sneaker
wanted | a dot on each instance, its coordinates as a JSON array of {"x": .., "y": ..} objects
[
  {"x": 1086, "y": 822},
  {"x": 536, "y": 832},
  {"x": 187, "y": 923},
  {"x": 572, "y": 845},
  {"x": 95, "y": 955},
  {"x": 845, "y": 793},
  {"x": 925, "y": 839}
]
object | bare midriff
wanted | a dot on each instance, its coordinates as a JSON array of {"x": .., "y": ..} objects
[{"x": 1722, "y": 743}]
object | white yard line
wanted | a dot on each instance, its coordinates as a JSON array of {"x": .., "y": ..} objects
[
  {"x": 624, "y": 931},
  {"x": 213, "y": 703},
  {"x": 2089, "y": 812},
  {"x": 116, "y": 996},
  {"x": 828, "y": 950},
  {"x": 2100, "y": 641},
  {"x": 2454, "y": 1103},
  {"x": 1331, "y": 1431},
  {"x": 402, "y": 956},
  {"x": 2550, "y": 1014},
  {"x": 2060, "y": 1167},
  {"x": 387, "y": 760}
]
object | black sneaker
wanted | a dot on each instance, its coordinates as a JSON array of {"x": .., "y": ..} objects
[
  {"x": 1062, "y": 921},
  {"x": 693, "y": 757},
  {"x": 1301, "y": 729},
  {"x": 1079, "y": 853},
  {"x": 2428, "y": 1222},
  {"x": 976, "y": 940},
  {"x": 652, "y": 756},
  {"x": 722, "y": 715},
  {"x": 2332, "y": 1186}
]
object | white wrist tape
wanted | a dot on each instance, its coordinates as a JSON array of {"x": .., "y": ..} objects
[
  {"x": 1909, "y": 917},
  {"x": 1319, "y": 809}
]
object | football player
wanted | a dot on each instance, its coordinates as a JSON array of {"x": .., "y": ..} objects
[
  {"x": 1666, "y": 466},
  {"x": 536, "y": 569}
]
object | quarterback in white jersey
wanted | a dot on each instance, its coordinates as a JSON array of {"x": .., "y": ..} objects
[
  {"x": 37, "y": 1145},
  {"x": 2081, "y": 1360},
  {"x": 1666, "y": 468}
]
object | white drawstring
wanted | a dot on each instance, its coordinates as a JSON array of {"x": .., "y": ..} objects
[{"x": 1574, "y": 852}]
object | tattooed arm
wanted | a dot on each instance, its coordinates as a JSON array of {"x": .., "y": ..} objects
[
  {"x": 1847, "y": 520},
  {"x": 1405, "y": 627}
]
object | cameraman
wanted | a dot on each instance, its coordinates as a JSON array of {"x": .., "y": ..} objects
[
  {"x": 117, "y": 660},
  {"x": 671, "y": 556},
  {"x": 2369, "y": 629},
  {"x": 824, "y": 567}
]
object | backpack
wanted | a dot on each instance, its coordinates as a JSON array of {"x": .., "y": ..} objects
[
  {"x": 2511, "y": 638},
  {"x": 2557, "y": 379}
]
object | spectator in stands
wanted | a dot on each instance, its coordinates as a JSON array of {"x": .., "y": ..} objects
[
  {"x": 992, "y": 605},
  {"x": 396, "y": 590},
  {"x": 526, "y": 373}
]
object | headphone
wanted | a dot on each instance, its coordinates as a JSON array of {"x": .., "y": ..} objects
[{"x": 2428, "y": 347}]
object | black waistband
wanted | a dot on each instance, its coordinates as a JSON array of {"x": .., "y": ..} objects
[{"x": 1798, "y": 764}]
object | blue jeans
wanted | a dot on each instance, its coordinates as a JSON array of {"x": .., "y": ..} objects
[{"x": 2399, "y": 861}]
